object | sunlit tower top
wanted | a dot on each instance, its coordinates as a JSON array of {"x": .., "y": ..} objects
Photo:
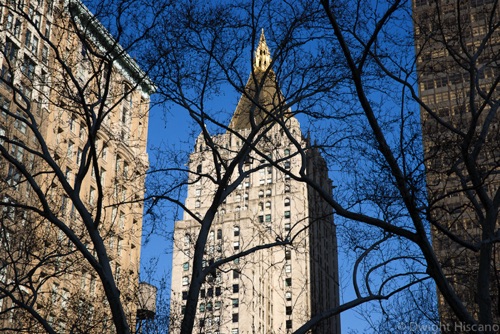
[{"x": 262, "y": 55}]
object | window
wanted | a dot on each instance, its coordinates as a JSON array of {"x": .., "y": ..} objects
[
  {"x": 235, "y": 317},
  {"x": 219, "y": 234},
  {"x": 288, "y": 268},
  {"x": 202, "y": 323},
  {"x": 236, "y": 274},
  {"x": 236, "y": 288},
  {"x": 261, "y": 219},
  {"x": 289, "y": 324},
  {"x": 71, "y": 146},
  {"x": 287, "y": 152},
  {"x": 288, "y": 254},
  {"x": 261, "y": 206},
  {"x": 268, "y": 218},
  {"x": 198, "y": 192},
  {"x": 209, "y": 306},
  {"x": 236, "y": 245},
  {"x": 198, "y": 168},
  {"x": 238, "y": 198},
  {"x": 287, "y": 164},
  {"x": 19, "y": 123},
  {"x": 287, "y": 202},
  {"x": 184, "y": 295},
  {"x": 17, "y": 29},
  {"x": 236, "y": 231},
  {"x": 8, "y": 21},
  {"x": 235, "y": 302},
  {"x": 27, "y": 39},
  {"x": 288, "y": 281},
  {"x": 268, "y": 205},
  {"x": 288, "y": 310},
  {"x": 261, "y": 193},
  {"x": 92, "y": 196},
  {"x": 10, "y": 50},
  {"x": 217, "y": 305},
  {"x": 234, "y": 331},
  {"x": 104, "y": 151},
  {"x": 210, "y": 292},
  {"x": 45, "y": 54},
  {"x": 203, "y": 293},
  {"x": 197, "y": 204},
  {"x": 185, "y": 266},
  {"x": 287, "y": 214},
  {"x": 4, "y": 105},
  {"x": 34, "y": 46},
  {"x": 287, "y": 188},
  {"x": 78, "y": 156},
  {"x": 218, "y": 290},
  {"x": 185, "y": 280},
  {"x": 268, "y": 193},
  {"x": 288, "y": 296}
]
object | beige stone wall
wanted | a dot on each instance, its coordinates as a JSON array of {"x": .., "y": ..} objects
[{"x": 121, "y": 156}]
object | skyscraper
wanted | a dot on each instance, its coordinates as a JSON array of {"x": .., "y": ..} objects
[
  {"x": 74, "y": 112},
  {"x": 457, "y": 44},
  {"x": 270, "y": 289}
]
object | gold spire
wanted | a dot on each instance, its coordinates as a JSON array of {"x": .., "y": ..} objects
[{"x": 262, "y": 54}]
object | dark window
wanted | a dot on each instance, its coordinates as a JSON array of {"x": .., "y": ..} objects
[
  {"x": 183, "y": 309},
  {"x": 289, "y": 324},
  {"x": 288, "y": 255},
  {"x": 210, "y": 292},
  {"x": 219, "y": 234},
  {"x": 184, "y": 295},
  {"x": 236, "y": 302},
  {"x": 235, "y": 317},
  {"x": 236, "y": 288},
  {"x": 202, "y": 323},
  {"x": 10, "y": 50},
  {"x": 261, "y": 219},
  {"x": 287, "y": 214},
  {"x": 236, "y": 274},
  {"x": 236, "y": 231},
  {"x": 202, "y": 293},
  {"x": 198, "y": 168},
  {"x": 288, "y": 310},
  {"x": 288, "y": 281},
  {"x": 209, "y": 306},
  {"x": 218, "y": 291}
]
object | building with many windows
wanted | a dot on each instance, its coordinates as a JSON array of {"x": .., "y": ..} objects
[
  {"x": 73, "y": 129},
  {"x": 458, "y": 45},
  {"x": 275, "y": 289}
]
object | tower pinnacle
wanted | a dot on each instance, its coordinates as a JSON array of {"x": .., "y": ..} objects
[{"x": 262, "y": 54}]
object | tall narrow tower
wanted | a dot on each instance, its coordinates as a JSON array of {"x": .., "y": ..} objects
[{"x": 275, "y": 289}]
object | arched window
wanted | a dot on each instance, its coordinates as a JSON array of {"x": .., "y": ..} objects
[
  {"x": 236, "y": 231},
  {"x": 287, "y": 202},
  {"x": 261, "y": 193},
  {"x": 198, "y": 168},
  {"x": 268, "y": 205}
]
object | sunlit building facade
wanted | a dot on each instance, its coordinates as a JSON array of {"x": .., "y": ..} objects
[{"x": 39, "y": 98}]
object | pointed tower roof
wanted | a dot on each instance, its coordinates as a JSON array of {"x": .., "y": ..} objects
[{"x": 262, "y": 95}]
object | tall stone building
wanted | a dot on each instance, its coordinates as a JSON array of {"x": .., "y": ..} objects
[
  {"x": 62, "y": 77},
  {"x": 458, "y": 45},
  {"x": 271, "y": 290}
]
